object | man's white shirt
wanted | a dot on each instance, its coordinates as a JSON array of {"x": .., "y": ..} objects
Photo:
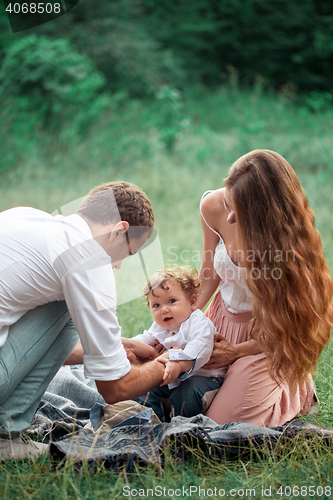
[{"x": 45, "y": 259}]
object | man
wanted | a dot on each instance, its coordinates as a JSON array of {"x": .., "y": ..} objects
[{"x": 57, "y": 286}]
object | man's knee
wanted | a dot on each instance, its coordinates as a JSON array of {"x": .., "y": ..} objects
[{"x": 4, "y": 381}]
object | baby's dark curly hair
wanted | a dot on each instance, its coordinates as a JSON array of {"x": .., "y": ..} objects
[{"x": 187, "y": 277}]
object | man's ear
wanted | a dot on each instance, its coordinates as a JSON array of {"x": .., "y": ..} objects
[
  {"x": 193, "y": 301},
  {"x": 120, "y": 227}
]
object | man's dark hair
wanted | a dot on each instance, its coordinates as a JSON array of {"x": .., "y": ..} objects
[{"x": 104, "y": 204}]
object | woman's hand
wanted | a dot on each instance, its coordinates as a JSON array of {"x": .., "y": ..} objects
[{"x": 223, "y": 353}]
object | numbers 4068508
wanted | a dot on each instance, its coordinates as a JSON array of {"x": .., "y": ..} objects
[
  {"x": 34, "y": 8},
  {"x": 304, "y": 491}
]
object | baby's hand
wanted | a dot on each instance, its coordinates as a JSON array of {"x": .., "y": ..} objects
[
  {"x": 171, "y": 373},
  {"x": 172, "y": 369},
  {"x": 163, "y": 358}
]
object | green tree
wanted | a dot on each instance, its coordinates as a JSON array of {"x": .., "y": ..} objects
[
  {"x": 113, "y": 34},
  {"x": 143, "y": 45},
  {"x": 50, "y": 79},
  {"x": 278, "y": 39}
]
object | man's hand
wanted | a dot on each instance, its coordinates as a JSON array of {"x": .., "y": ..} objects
[
  {"x": 138, "y": 352},
  {"x": 163, "y": 358},
  {"x": 159, "y": 348}
]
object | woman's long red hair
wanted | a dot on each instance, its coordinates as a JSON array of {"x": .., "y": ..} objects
[{"x": 284, "y": 263}]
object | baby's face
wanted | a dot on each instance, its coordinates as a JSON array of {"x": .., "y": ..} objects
[{"x": 170, "y": 308}]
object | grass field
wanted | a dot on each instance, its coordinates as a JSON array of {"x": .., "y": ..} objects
[{"x": 48, "y": 172}]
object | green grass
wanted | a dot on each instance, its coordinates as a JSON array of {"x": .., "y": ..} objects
[
  {"x": 296, "y": 464},
  {"x": 47, "y": 172}
]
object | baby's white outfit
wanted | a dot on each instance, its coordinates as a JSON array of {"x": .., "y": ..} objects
[{"x": 194, "y": 340}]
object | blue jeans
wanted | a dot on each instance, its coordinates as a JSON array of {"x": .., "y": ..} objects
[
  {"x": 36, "y": 347},
  {"x": 191, "y": 397}
]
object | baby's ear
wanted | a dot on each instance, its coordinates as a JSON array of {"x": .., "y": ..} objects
[{"x": 193, "y": 301}]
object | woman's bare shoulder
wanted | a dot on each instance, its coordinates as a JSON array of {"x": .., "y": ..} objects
[{"x": 213, "y": 203}]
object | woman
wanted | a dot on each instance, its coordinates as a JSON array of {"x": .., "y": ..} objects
[{"x": 274, "y": 309}]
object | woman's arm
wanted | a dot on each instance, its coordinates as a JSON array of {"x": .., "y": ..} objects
[
  {"x": 207, "y": 273},
  {"x": 214, "y": 213}
]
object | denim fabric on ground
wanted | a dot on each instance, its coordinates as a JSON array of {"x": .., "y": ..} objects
[{"x": 188, "y": 399}]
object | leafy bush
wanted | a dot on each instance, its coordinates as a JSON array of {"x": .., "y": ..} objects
[
  {"x": 281, "y": 40},
  {"x": 51, "y": 80},
  {"x": 167, "y": 115},
  {"x": 141, "y": 45},
  {"x": 318, "y": 101},
  {"x": 115, "y": 36}
]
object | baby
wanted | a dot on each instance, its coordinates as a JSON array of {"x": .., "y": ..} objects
[{"x": 188, "y": 336}]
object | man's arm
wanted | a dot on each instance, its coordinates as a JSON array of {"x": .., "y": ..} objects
[
  {"x": 137, "y": 352},
  {"x": 91, "y": 300},
  {"x": 137, "y": 382},
  {"x": 76, "y": 356}
]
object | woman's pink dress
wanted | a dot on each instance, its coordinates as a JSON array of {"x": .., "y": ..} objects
[{"x": 248, "y": 393}]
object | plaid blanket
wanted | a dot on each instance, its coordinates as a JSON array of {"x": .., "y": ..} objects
[{"x": 64, "y": 413}]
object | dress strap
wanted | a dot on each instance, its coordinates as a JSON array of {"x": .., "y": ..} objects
[{"x": 202, "y": 197}]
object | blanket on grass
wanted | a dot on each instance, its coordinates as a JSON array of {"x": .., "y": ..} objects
[{"x": 64, "y": 413}]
